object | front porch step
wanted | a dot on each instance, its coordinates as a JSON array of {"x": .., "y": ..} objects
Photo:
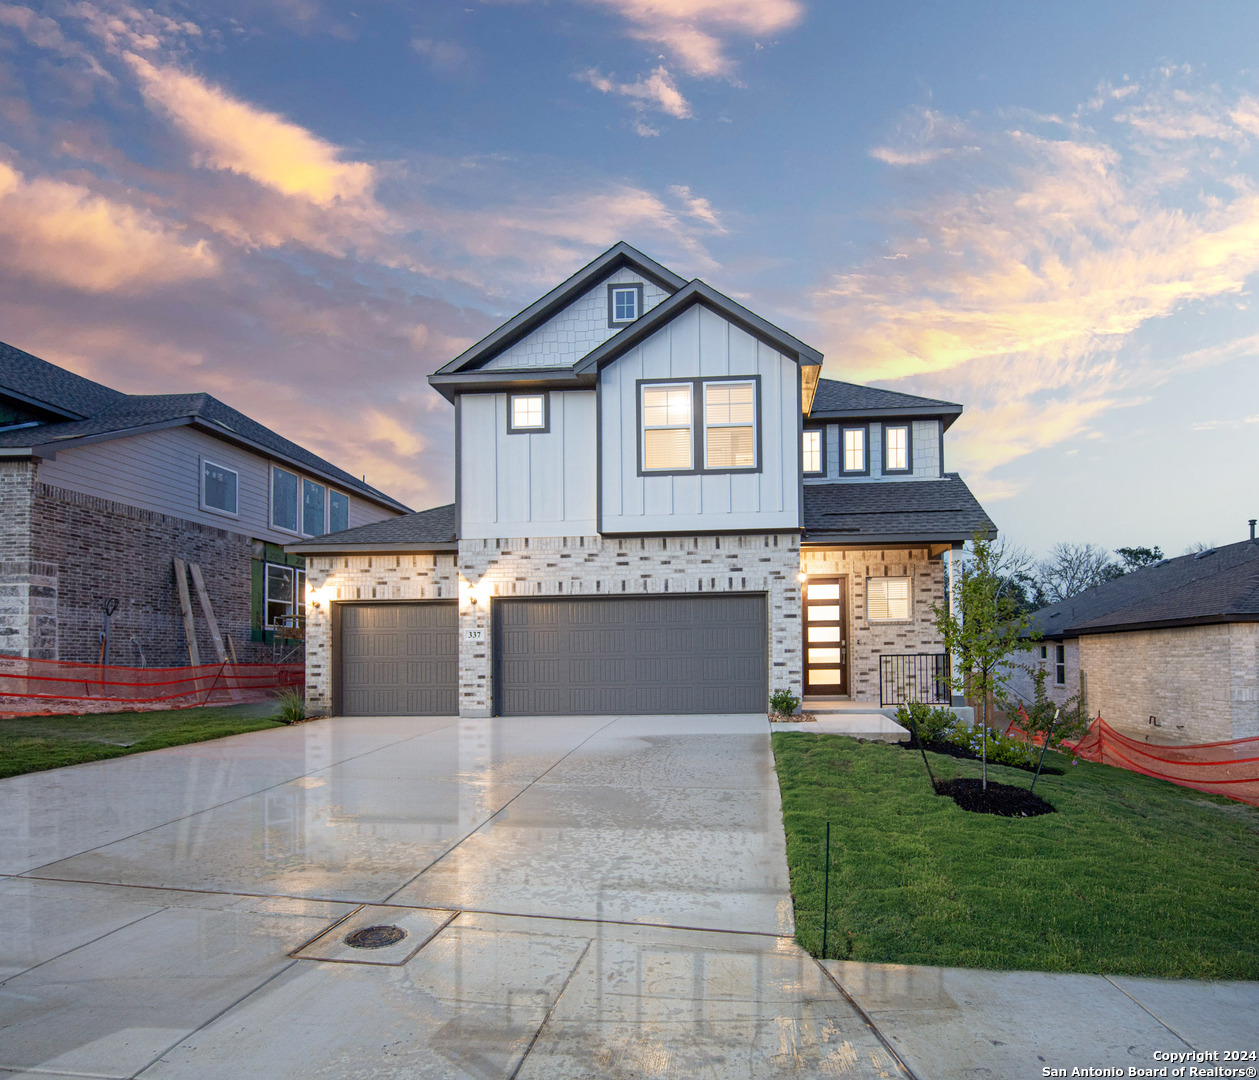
[
  {"x": 874, "y": 726},
  {"x": 820, "y": 707}
]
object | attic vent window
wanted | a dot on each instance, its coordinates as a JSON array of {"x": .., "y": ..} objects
[
  {"x": 528, "y": 412},
  {"x": 625, "y": 304}
]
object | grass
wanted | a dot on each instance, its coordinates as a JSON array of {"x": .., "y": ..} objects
[
  {"x": 33, "y": 743},
  {"x": 1132, "y": 876}
]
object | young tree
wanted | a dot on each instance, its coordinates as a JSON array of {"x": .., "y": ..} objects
[{"x": 985, "y": 626}]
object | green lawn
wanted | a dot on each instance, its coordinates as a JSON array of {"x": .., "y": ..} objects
[
  {"x": 33, "y": 743},
  {"x": 1132, "y": 875}
]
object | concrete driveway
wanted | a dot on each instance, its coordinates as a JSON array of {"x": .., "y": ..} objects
[{"x": 582, "y": 897}]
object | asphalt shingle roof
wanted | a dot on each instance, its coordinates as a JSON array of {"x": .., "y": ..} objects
[
  {"x": 925, "y": 510},
  {"x": 426, "y": 527},
  {"x": 1220, "y": 586},
  {"x": 840, "y": 397},
  {"x": 112, "y": 412}
]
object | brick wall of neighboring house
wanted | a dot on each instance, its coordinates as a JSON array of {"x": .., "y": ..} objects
[
  {"x": 1196, "y": 680},
  {"x": 1019, "y": 680},
  {"x": 868, "y": 641},
  {"x": 567, "y": 566},
  {"x": 28, "y": 585},
  {"x": 103, "y": 549}
]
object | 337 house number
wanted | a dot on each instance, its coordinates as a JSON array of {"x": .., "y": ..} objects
[{"x": 474, "y": 635}]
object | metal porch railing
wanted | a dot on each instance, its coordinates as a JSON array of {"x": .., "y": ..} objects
[{"x": 920, "y": 677}]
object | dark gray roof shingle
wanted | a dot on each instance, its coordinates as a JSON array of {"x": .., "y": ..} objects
[
  {"x": 426, "y": 528},
  {"x": 37, "y": 380},
  {"x": 1222, "y": 586},
  {"x": 922, "y": 510},
  {"x": 834, "y": 398}
]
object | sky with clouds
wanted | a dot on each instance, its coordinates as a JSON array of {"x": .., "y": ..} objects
[{"x": 1049, "y": 213}]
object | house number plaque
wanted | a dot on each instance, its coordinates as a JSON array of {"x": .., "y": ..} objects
[{"x": 474, "y": 635}]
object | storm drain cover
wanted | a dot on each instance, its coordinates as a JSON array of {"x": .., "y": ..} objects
[{"x": 375, "y": 937}]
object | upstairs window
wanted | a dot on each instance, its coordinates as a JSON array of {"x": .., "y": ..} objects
[
  {"x": 338, "y": 511},
  {"x": 729, "y": 425},
  {"x": 625, "y": 304},
  {"x": 312, "y": 508},
  {"x": 887, "y": 599},
  {"x": 668, "y": 441},
  {"x": 813, "y": 453},
  {"x": 853, "y": 455},
  {"x": 284, "y": 495},
  {"x": 218, "y": 488},
  {"x": 896, "y": 450},
  {"x": 527, "y": 412}
]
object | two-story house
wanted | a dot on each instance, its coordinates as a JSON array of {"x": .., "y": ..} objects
[
  {"x": 659, "y": 506},
  {"x": 101, "y": 491}
]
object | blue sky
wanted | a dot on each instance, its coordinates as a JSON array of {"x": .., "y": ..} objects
[{"x": 1049, "y": 213}]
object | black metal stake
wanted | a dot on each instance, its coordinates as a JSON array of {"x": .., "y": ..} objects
[
  {"x": 826, "y": 889},
  {"x": 1044, "y": 747}
]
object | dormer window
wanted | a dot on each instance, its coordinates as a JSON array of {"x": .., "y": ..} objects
[
  {"x": 625, "y": 304},
  {"x": 813, "y": 453},
  {"x": 527, "y": 412},
  {"x": 897, "y": 454},
  {"x": 853, "y": 457}
]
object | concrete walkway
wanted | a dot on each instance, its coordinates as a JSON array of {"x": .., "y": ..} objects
[{"x": 581, "y": 897}]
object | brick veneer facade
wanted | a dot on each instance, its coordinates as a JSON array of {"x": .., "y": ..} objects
[
  {"x": 868, "y": 641},
  {"x": 62, "y": 554},
  {"x": 559, "y": 566}
]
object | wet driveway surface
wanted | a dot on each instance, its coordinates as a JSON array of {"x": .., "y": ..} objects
[{"x": 578, "y": 897}]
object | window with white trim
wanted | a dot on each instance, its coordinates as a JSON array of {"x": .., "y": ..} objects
[
  {"x": 854, "y": 450},
  {"x": 338, "y": 511},
  {"x": 887, "y": 599},
  {"x": 312, "y": 508},
  {"x": 218, "y": 487},
  {"x": 528, "y": 412},
  {"x": 812, "y": 452},
  {"x": 286, "y": 594},
  {"x": 668, "y": 443},
  {"x": 285, "y": 492},
  {"x": 896, "y": 448},
  {"x": 729, "y": 425},
  {"x": 625, "y": 303}
]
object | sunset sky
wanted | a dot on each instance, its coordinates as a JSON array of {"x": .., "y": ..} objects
[{"x": 1049, "y": 213}]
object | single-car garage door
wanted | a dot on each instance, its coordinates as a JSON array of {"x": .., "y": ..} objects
[
  {"x": 399, "y": 659},
  {"x": 650, "y": 654}
]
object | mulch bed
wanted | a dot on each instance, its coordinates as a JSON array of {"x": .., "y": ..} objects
[
  {"x": 792, "y": 718},
  {"x": 1004, "y": 800},
  {"x": 953, "y": 750}
]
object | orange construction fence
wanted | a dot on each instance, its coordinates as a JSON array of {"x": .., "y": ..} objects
[
  {"x": 1223, "y": 768},
  {"x": 61, "y": 687}
]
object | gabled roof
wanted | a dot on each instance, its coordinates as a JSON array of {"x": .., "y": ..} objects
[
  {"x": 427, "y": 530},
  {"x": 46, "y": 386},
  {"x": 921, "y": 511},
  {"x": 1216, "y": 586},
  {"x": 618, "y": 256},
  {"x": 108, "y": 414},
  {"x": 836, "y": 400}
]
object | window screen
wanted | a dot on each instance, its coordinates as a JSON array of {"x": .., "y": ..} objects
[
  {"x": 284, "y": 489},
  {"x": 218, "y": 487},
  {"x": 312, "y": 508},
  {"x": 729, "y": 425},
  {"x": 812, "y": 454},
  {"x": 667, "y": 426},
  {"x": 338, "y": 511},
  {"x": 887, "y": 599}
]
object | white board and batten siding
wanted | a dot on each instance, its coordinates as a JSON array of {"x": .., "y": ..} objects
[
  {"x": 161, "y": 471},
  {"x": 926, "y": 454},
  {"x": 582, "y": 326},
  {"x": 527, "y": 483},
  {"x": 697, "y": 344}
]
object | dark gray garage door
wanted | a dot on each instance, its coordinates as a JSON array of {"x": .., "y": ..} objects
[
  {"x": 399, "y": 659},
  {"x": 657, "y": 654}
]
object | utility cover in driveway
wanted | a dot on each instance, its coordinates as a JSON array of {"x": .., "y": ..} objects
[
  {"x": 651, "y": 654},
  {"x": 399, "y": 659}
]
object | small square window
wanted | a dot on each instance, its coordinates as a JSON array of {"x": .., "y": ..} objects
[
  {"x": 887, "y": 599},
  {"x": 625, "y": 304},
  {"x": 218, "y": 488},
  {"x": 527, "y": 412}
]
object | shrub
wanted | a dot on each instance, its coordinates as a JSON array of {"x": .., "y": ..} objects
[
  {"x": 292, "y": 706},
  {"x": 783, "y": 702},
  {"x": 924, "y": 723}
]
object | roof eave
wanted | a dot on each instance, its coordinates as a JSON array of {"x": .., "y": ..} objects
[
  {"x": 1160, "y": 624},
  {"x": 416, "y": 547},
  {"x": 939, "y": 536},
  {"x": 482, "y": 381},
  {"x": 948, "y": 414}
]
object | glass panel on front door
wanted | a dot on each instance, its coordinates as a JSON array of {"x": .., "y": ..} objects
[{"x": 825, "y": 636}]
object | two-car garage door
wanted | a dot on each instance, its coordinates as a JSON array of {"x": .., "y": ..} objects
[{"x": 563, "y": 656}]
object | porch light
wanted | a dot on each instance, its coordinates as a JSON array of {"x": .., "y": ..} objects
[{"x": 802, "y": 576}]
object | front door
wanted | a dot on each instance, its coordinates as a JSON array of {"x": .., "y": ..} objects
[{"x": 825, "y": 637}]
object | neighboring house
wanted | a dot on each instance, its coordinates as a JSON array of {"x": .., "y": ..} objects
[
  {"x": 659, "y": 507},
  {"x": 100, "y": 491},
  {"x": 1169, "y": 652}
]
